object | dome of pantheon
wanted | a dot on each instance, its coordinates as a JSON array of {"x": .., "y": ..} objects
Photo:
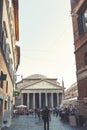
[{"x": 36, "y": 76}]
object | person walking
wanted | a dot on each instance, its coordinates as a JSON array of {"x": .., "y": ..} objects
[
  {"x": 38, "y": 113},
  {"x": 35, "y": 112},
  {"x": 45, "y": 117}
]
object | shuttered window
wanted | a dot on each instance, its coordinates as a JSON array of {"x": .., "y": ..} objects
[
  {"x": 80, "y": 24},
  {"x": 85, "y": 20},
  {"x": 82, "y": 21},
  {"x": 85, "y": 58}
]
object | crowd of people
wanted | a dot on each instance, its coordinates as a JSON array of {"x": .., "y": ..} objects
[{"x": 45, "y": 114}]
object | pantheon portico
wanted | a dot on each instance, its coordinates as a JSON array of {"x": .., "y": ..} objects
[{"x": 38, "y": 91}]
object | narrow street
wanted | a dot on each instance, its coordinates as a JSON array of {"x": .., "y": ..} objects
[{"x": 31, "y": 123}]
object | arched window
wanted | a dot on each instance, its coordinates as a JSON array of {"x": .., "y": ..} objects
[{"x": 85, "y": 20}]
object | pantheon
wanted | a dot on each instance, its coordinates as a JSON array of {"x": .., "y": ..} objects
[{"x": 38, "y": 91}]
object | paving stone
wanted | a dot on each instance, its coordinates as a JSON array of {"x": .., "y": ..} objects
[{"x": 31, "y": 123}]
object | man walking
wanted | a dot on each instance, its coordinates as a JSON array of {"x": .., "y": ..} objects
[{"x": 45, "y": 117}]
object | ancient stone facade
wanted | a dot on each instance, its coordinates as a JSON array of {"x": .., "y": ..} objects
[{"x": 38, "y": 91}]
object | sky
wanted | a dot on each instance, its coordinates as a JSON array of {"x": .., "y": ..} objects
[{"x": 46, "y": 40}]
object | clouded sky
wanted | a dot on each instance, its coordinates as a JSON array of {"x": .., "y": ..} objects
[{"x": 46, "y": 40}]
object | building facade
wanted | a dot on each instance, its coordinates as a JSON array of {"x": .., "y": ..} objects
[
  {"x": 38, "y": 91},
  {"x": 79, "y": 21},
  {"x": 72, "y": 91},
  {"x": 9, "y": 57},
  {"x": 71, "y": 96}
]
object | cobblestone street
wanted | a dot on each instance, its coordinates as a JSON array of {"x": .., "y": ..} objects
[{"x": 31, "y": 123}]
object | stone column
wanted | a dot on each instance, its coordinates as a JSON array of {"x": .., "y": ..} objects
[
  {"x": 21, "y": 98},
  {"x": 57, "y": 99},
  {"x": 33, "y": 100},
  {"x": 46, "y": 99},
  {"x": 28, "y": 100},
  {"x": 52, "y": 100},
  {"x": 39, "y": 100}
]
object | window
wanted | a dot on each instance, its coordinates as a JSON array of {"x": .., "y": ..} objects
[
  {"x": 80, "y": 24},
  {"x": 85, "y": 58},
  {"x": 6, "y": 86},
  {"x": 82, "y": 21},
  {"x": 85, "y": 20},
  {"x": 86, "y": 94},
  {"x": 5, "y": 29},
  {"x": 5, "y": 107},
  {"x": 1, "y": 81}
]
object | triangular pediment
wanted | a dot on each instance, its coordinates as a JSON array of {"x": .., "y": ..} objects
[{"x": 42, "y": 85}]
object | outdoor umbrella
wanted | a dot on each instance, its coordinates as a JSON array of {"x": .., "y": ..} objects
[{"x": 21, "y": 106}]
